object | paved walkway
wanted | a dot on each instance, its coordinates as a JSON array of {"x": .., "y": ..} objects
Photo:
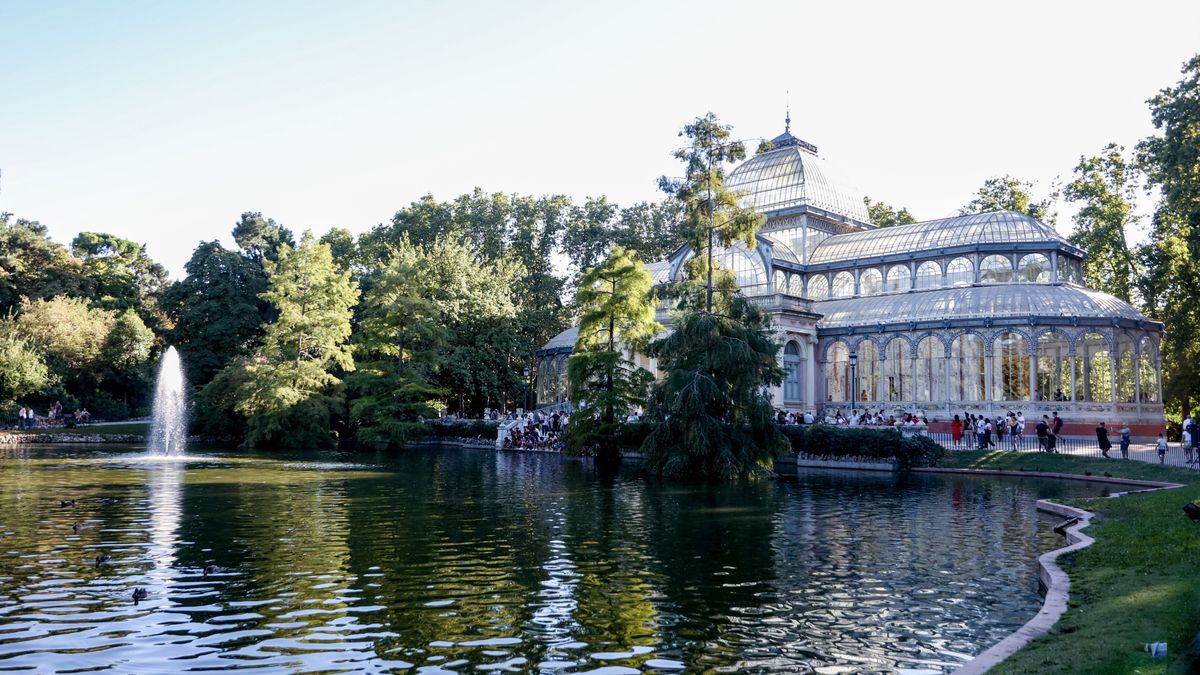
[{"x": 1142, "y": 452}]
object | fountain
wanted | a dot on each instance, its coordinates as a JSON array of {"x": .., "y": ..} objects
[{"x": 168, "y": 430}]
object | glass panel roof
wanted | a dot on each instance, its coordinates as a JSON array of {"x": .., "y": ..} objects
[
  {"x": 660, "y": 272},
  {"x": 567, "y": 338},
  {"x": 1001, "y": 300},
  {"x": 791, "y": 177},
  {"x": 997, "y": 227}
]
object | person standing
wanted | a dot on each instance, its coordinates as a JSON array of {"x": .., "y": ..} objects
[
  {"x": 1161, "y": 447},
  {"x": 1126, "y": 437},
  {"x": 1043, "y": 434},
  {"x": 956, "y": 429},
  {"x": 1012, "y": 431},
  {"x": 1020, "y": 428},
  {"x": 1102, "y": 440},
  {"x": 1056, "y": 426},
  {"x": 21, "y": 417}
]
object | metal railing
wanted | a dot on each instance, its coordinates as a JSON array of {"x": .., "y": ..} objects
[{"x": 1076, "y": 446}]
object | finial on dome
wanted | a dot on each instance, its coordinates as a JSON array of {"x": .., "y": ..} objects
[{"x": 787, "y": 120}]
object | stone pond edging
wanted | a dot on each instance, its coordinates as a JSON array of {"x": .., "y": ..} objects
[
  {"x": 1053, "y": 578},
  {"x": 15, "y": 439}
]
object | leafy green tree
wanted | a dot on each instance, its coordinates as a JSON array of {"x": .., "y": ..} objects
[
  {"x": 712, "y": 415},
  {"x": 1005, "y": 193},
  {"x": 23, "y": 372},
  {"x": 260, "y": 238},
  {"x": 886, "y": 216},
  {"x": 33, "y": 266},
  {"x": 1171, "y": 283},
  {"x": 120, "y": 274},
  {"x": 617, "y": 316},
  {"x": 1105, "y": 185},
  {"x": 215, "y": 310},
  {"x": 292, "y": 392},
  {"x": 342, "y": 246},
  {"x": 399, "y": 347},
  {"x": 69, "y": 333},
  {"x": 711, "y": 215}
]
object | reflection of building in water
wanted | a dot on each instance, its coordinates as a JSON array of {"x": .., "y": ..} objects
[{"x": 985, "y": 312}]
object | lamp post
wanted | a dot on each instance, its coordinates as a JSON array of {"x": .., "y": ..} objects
[
  {"x": 528, "y": 386},
  {"x": 853, "y": 382}
]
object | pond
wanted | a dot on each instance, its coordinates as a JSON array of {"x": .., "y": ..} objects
[{"x": 462, "y": 560}]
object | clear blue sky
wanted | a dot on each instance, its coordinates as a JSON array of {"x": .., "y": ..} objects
[{"x": 163, "y": 121}]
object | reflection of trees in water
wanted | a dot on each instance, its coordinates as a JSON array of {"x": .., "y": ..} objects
[
  {"x": 614, "y": 584},
  {"x": 712, "y": 552},
  {"x": 460, "y": 542}
]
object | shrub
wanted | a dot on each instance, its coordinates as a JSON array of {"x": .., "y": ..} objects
[{"x": 876, "y": 444}]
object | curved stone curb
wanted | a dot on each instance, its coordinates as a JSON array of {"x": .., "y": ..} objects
[{"x": 1054, "y": 579}]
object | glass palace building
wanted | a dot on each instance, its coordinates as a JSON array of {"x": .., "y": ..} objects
[{"x": 983, "y": 313}]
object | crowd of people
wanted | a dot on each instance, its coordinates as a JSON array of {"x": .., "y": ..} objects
[
  {"x": 538, "y": 431},
  {"x": 27, "y": 417}
]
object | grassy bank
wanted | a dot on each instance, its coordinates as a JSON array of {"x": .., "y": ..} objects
[
  {"x": 123, "y": 429},
  {"x": 1139, "y": 583}
]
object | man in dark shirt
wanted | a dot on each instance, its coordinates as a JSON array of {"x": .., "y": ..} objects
[
  {"x": 1055, "y": 428},
  {"x": 1102, "y": 439},
  {"x": 1043, "y": 434}
]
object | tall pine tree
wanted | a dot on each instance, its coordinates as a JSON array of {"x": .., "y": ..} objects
[
  {"x": 292, "y": 391},
  {"x": 617, "y": 317},
  {"x": 712, "y": 414}
]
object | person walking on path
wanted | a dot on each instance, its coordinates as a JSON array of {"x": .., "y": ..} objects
[
  {"x": 1020, "y": 429},
  {"x": 956, "y": 431},
  {"x": 1043, "y": 435},
  {"x": 1162, "y": 449},
  {"x": 1056, "y": 426},
  {"x": 1102, "y": 439},
  {"x": 1125, "y": 438},
  {"x": 1013, "y": 431}
]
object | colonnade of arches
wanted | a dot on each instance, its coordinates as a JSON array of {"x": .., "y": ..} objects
[
  {"x": 1101, "y": 365},
  {"x": 993, "y": 268}
]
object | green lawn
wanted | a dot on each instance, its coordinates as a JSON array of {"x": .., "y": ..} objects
[
  {"x": 1140, "y": 581},
  {"x": 135, "y": 428}
]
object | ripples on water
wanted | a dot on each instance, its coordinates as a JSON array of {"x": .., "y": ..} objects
[{"x": 457, "y": 561}]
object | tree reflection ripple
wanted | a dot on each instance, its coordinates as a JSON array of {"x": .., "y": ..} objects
[{"x": 454, "y": 560}]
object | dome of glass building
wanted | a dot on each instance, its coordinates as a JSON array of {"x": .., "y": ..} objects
[{"x": 793, "y": 176}]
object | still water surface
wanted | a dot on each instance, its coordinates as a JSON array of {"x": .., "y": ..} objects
[{"x": 469, "y": 561}]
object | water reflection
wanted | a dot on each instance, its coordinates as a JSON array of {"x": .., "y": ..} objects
[{"x": 443, "y": 561}]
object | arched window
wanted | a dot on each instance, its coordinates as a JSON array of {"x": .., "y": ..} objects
[
  {"x": 899, "y": 279},
  {"x": 967, "y": 369},
  {"x": 1093, "y": 369},
  {"x": 791, "y": 371},
  {"x": 960, "y": 272},
  {"x": 870, "y": 282},
  {"x": 929, "y": 275},
  {"x": 818, "y": 287},
  {"x": 1053, "y": 367},
  {"x": 1034, "y": 268},
  {"x": 843, "y": 285},
  {"x": 898, "y": 371},
  {"x": 1125, "y": 379},
  {"x": 751, "y": 278},
  {"x": 780, "y": 282},
  {"x": 995, "y": 269},
  {"x": 868, "y": 370},
  {"x": 837, "y": 373},
  {"x": 1074, "y": 271},
  {"x": 796, "y": 286},
  {"x": 930, "y": 374},
  {"x": 1010, "y": 368},
  {"x": 1148, "y": 371}
]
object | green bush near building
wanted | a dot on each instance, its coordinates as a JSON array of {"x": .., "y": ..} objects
[{"x": 822, "y": 440}]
